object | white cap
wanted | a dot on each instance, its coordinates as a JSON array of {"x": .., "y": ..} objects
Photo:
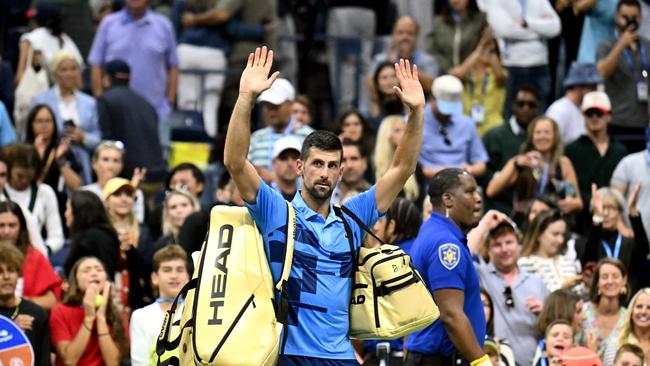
[
  {"x": 280, "y": 91},
  {"x": 598, "y": 100},
  {"x": 448, "y": 91},
  {"x": 286, "y": 143}
]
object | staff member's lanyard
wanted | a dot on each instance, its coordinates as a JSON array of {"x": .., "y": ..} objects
[
  {"x": 617, "y": 247},
  {"x": 641, "y": 82}
]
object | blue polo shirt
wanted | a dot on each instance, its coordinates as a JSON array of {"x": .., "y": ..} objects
[
  {"x": 465, "y": 145},
  {"x": 320, "y": 283},
  {"x": 441, "y": 256}
]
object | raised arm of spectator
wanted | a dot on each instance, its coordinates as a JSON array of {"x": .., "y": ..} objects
[
  {"x": 407, "y": 152},
  {"x": 465, "y": 68},
  {"x": 607, "y": 64},
  {"x": 254, "y": 79},
  {"x": 503, "y": 179},
  {"x": 590, "y": 253},
  {"x": 641, "y": 245}
]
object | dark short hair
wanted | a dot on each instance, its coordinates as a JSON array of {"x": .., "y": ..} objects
[
  {"x": 356, "y": 144},
  {"x": 24, "y": 156},
  {"x": 528, "y": 88},
  {"x": 407, "y": 217},
  {"x": 89, "y": 212},
  {"x": 443, "y": 182},
  {"x": 634, "y": 3},
  {"x": 196, "y": 172},
  {"x": 321, "y": 140}
]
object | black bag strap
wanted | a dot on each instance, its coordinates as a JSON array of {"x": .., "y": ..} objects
[
  {"x": 163, "y": 344},
  {"x": 356, "y": 219},
  {"x": 348, "y": 233}
]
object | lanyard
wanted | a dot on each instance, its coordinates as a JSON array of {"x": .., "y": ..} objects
[
  {"x": 543, "y": 361},
  {"x": 161, "y": 300},
  {"x": 522, "y": 3},
  {"x": 486, "y": 79},
  {"x": 630, "y": 61},
  {"x": 647, "y": 142},
  {"x": 617, "y": 247},
  {"x": 543, "y": 179}
]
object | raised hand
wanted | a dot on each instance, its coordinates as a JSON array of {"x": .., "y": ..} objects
[
  {"x": 631, "y": 203},
  {"x": 255, "y": 78},
  {"x": 596, "y": 202},
  {"x": 138, "y": 176},
  {"x": 409, "y": 90}
]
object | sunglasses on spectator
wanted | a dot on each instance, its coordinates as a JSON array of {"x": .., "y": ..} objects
[
  {"x": 445, "y": 134},
  {"x": 594, "y": 112},
  {"x": 526, "y": 103},
  {"x": 111, "y": 144},
  {"x": 510, "y": 301}
]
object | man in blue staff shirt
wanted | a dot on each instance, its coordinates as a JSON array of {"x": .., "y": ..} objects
[{"x": 441, "y": 255}]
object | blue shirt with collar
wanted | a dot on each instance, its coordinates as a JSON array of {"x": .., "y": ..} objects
[
  {"x": 441, "y": 256},
  {"x": 320, "y": 283},
  {"x": 465, "y": 145}
]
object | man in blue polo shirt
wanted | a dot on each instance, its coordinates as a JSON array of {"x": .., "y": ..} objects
[
  {"x": 441, "y": 255},
  {"x": 320, "y": 282}
]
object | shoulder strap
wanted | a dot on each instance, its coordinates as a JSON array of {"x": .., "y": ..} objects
[
  {"x": 348, "y": 231},
  {"x": 288, "y": 248},
  {"x": 32, "y": 197},
  {"x": 356, "y": 219}
]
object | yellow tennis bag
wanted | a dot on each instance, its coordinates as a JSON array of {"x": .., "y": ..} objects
[
  {"x": 389, "y": 298},
  {"x": 233, "y": 313}
]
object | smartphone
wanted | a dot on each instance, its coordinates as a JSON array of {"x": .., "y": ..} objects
[{"x": 68, "y": 123}]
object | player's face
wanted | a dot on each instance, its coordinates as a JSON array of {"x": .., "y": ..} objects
[{"x": 320, "y": 173}]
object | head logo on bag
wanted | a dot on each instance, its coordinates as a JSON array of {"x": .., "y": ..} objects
[
  {"x": 449, "y": 255},
  {"x": 15, "y": 348},
  {"x": 220, "y": 275}
]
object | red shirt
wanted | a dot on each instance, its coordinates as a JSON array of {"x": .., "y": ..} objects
[
  {"x": 39, "y": 276},
  {"x": 65, "y": 322}
]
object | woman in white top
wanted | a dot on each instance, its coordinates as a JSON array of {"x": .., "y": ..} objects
[
  {"x": 107, "y": 163},
  {"x": 23, "y": 163},
  {"x": 544, "y": 244},
  {"x": 46, "y": 40}
]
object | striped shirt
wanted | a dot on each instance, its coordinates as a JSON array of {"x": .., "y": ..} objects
[
  {"x": 553, "y": 271},
  {"x": 262, "y": 141}
]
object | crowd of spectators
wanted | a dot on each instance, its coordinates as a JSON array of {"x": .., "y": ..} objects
[{"x": 544, "y": 102}]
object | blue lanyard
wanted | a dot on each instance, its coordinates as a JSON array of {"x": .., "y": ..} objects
[
  {"x": 161, "y": 300},
  {"x": 486, "y": 79},
  {"x": 544, "y": 179},
  {"x": 523, "y": 8},
  {"x": 647, "y": 144},
  {"x": 630, "y": 61},
  {"x": 617, "y": 247},
  {"x": 543, "y": 361}
]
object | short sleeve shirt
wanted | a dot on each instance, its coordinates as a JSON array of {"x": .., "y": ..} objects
[
  {"x": 65, "y": 322},
  {"x": 320, "y": 282},
  {"x": 441, "y": 256}
]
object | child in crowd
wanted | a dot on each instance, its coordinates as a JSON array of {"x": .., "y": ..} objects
[
  {"x": 629, "y": 355},
  {"x": 169, "y": 276},
  {"x": 558, "y": 338}
]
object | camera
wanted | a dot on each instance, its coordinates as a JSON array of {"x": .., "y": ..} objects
[{"x": 631, "y": 23}]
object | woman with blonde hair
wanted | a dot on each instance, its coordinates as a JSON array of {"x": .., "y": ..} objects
[
  {"x": 136, "y": 249},
  {"x": 540, "y": 169},
  {"x": 389, "y": 136},
  {"x": 86, "y": 329},
  {"x": 636, "y": 329},
  {"x": 178, "y": 204}
]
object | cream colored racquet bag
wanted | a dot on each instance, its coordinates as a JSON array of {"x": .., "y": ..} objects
[
  {"x": 389, "y": 299},
  {"x": 234, "y": 313}
]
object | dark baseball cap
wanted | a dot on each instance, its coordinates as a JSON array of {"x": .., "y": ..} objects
[{"x": 118, "y": 69}]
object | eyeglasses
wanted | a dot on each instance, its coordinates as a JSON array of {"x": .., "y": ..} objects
[
  {"x": 526, "y": 103},
  {"x": 510, "y": 301},
  {"x": 3, "y": 174},
  {"x": 590, "y": 113},
  {"x": 445, "y": 134}
]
